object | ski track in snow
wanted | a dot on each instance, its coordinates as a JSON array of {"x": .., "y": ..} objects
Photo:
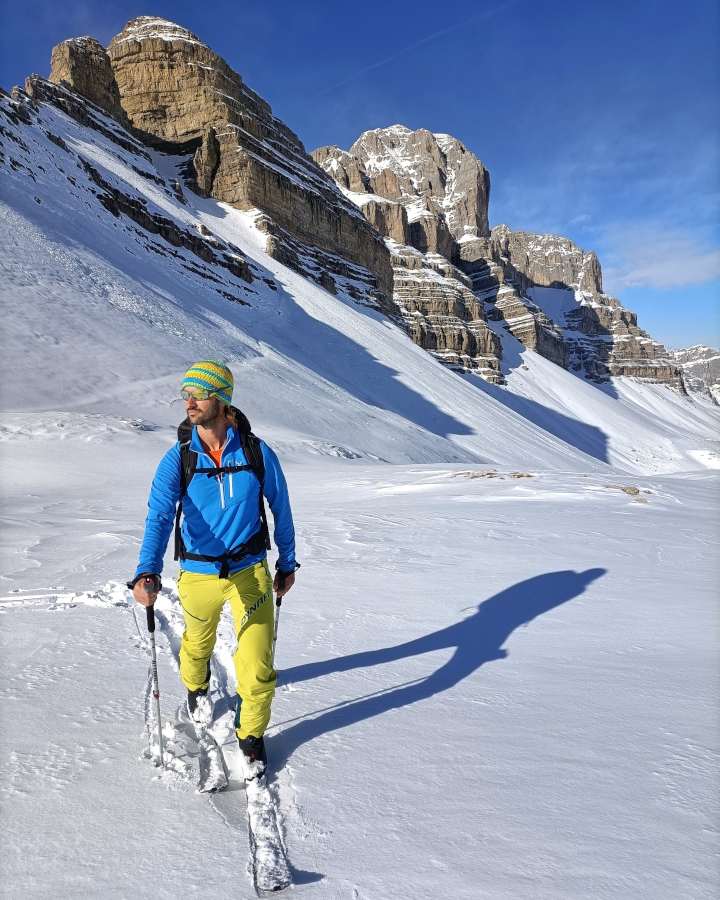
[
  {"x": 674, "y": 779},
  {"x": 594, "y": 781}
]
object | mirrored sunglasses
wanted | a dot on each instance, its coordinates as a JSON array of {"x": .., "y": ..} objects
[{"x": 196, "y": 394}]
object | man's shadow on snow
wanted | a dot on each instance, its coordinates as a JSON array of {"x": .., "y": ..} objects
[{"x": 476, "y": 640}]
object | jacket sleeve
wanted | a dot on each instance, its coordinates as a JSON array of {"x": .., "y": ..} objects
[
  {"x": 277, "y": 495},
  {"x": 162, "y": 504}
]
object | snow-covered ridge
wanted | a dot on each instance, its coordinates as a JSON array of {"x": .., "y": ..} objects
[
  {"x": 146, "y": 27},
  {"x": 148, "y": 273}
]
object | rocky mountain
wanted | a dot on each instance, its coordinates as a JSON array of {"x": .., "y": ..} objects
[
  {"x": 700, "y": 368},
  {"x": 176, "y": 93},
  {"x": 428, "y": 194},
  {"x": 399, "y": 221}
]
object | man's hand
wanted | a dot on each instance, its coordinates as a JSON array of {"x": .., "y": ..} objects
[
  {"x": 145, "y": 591},
  {"x": 283, "y": 583}
]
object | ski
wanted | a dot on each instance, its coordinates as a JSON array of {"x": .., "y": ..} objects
[
  {"x": 212, "y": 769},
  {"x": 268, "y": 860}
]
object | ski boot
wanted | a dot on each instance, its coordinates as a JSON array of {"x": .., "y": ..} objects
[
  {"x": 198, "y": 705},
  {"x": 254, "y": 757}
]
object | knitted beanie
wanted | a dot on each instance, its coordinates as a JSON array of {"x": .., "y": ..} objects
[{"x": 210, "y": 375}]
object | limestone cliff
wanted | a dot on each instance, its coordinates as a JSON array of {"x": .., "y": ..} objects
[
  {"x": 443, "y": 189},
  {"x": 173, "y": 88}
]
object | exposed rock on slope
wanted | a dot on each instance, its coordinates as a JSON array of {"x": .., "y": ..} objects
[
  {"x": 83, "y": 64},
  {"x": 423, "y": 191},
  {"x": 32, "y": 144},
  {"x": 443, "y": 189},
  {"x": 700, "y": 367},
  {"x": 442, "y": 314},
  {"x": 173, "y": 88}
]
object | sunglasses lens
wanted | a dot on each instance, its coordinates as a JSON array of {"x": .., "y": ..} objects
[{"x": 194, "y": 395}]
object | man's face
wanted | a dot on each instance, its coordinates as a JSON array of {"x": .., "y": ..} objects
[{"x": 203, "y": 412}]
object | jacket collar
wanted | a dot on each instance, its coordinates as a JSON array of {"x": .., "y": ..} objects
[{"x": 232, "y": 441}]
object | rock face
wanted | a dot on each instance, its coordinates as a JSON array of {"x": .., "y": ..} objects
[
  {"x": 700, "y": 368},
  {"x": 424, "y": 191},
  {"x": 173, "y": 87},
  {"x": 83, "y": 64},
  {"x": 444, "y": 188},
  {"x": 174, "y": 90},
  {"x": 442, "y": 314},
  {"x": 545, "y": 260},
  {"x": 444, "y": 191},
  {"x": 589, "y": 332}
]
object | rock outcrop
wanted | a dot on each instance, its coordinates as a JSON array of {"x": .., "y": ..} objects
[
  {"x": 590, "y": 333},
  {"x": 543, "y": 260},
  {"x": 424, "y": 191},
  {"x": 444, "y": 190},
  {"x": 442, "y": 314},
  {"x": 443, "y": 186},
  {"x": 173, "y": 89},
  {"x": 84, "y": 65},
  {"x": 700, "y": 368}
]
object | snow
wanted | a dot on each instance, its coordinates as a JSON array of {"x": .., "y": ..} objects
[
  {"x": 554, "y": 302},
  {"x": 496, "y": 664},
  {"x": 151, "y": 27}
]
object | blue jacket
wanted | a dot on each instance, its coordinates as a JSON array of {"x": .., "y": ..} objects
[{"x": 219, "y": 513}]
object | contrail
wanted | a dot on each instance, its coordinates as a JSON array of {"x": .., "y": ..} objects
[{"x": 419, "y": 43}]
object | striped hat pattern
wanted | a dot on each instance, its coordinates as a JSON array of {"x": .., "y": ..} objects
[{"x": 210, "y": 375}]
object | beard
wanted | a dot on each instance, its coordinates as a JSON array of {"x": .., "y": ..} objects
[{"x": 209, "y": 416}]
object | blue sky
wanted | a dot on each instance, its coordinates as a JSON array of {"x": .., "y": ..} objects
[{"x": 597, "y": 120}]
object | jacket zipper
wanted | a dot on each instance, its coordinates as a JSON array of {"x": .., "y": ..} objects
[{"x": 220, "y": 479}]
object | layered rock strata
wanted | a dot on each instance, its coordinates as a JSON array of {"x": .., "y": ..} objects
[
  {"x": 421, "y": 191},
  {"x": 443, "y": 190},
  {"x": 700, "y": 368},
  {"x": 82, "y": 64},
  {"x": 592, "y": 333},
  {"x": 442, "y": 185},
  {"x": 174, "y": 88},
  {"x": 442, "y": 315}
]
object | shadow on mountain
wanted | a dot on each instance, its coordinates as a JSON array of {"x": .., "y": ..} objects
[
  {"x": 475, "y": 640},
  {"x": 581, "y": 326},
  {"x": 584, "y": 437}
]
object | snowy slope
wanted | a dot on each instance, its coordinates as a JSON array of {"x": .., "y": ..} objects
[
  {"x": 512, "y": 703},
  {"x": 144, "y": 314},
  {"x": 495, "y": 664}
]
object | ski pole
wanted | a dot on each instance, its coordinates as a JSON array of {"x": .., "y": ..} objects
[
  {"x": 150, "y": 611},
  {"x": 278, "y": 604}
]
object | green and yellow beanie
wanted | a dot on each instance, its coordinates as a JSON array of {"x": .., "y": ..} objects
[{"x": 210, "y": 375}]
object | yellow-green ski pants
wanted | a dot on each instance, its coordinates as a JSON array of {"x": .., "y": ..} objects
[{"x": 249, "y": 593}]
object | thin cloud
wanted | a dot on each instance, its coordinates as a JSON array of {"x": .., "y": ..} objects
[
  {"x": 419, "y": 43},
  {"x": 647, "y": 255}
]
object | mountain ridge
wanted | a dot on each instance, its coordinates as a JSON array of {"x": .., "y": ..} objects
[{"x": 166, "y": 257}]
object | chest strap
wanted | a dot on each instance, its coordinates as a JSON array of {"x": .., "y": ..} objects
[
  {"x": 221, "y": 470},
  {"x": 256, "y": 544}
]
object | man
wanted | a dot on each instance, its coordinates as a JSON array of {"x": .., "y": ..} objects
[{"x": 222, "y": 546}]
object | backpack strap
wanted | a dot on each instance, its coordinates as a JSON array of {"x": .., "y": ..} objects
[
  {"x": 188, "y": 467},
  {"x": 253, "y": 454}
]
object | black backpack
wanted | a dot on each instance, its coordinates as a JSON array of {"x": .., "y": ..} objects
[{"x": 189, "y": 468}]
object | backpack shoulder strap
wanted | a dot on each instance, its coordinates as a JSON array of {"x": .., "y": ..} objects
[
  {"x": 253, "y": 454},
  {"x": 188, "y": 464}
]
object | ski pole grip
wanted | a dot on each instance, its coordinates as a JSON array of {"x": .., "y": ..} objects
[
  {"x": 150, "y": 613},
  {"x": 278, "y": 602}
]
